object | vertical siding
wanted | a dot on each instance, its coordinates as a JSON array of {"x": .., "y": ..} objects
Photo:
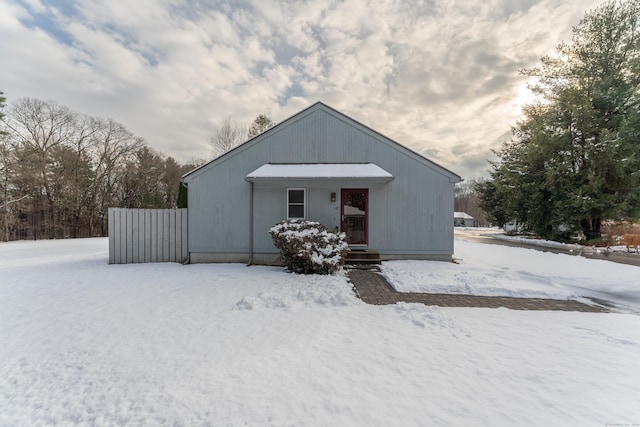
[
  {"x": 153, "y": 230},
  {"x": 410, "y": 215},
  {"x": 147, "y": 235}
]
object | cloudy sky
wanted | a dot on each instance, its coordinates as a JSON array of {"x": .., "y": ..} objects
[{"x": 439, "y": 76}]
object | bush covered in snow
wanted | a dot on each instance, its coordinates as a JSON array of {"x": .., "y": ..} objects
[{"x": 308, "y": 247}]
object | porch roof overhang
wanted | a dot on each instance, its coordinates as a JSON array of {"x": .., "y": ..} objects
[{"x": 366, "y": 172}]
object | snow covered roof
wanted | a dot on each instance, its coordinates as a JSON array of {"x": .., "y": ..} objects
[
  {"x": 462, "y": 215},
  {"x": 290, "y": 171}
]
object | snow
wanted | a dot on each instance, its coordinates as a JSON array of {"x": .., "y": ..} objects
[
  {"x": 497, "y": 233},
  {"x": 368, "y": 171},
  {"x": 462, "y": 215},
  {"x": 311, "y": 241},
  {"x": 518, "y": 272},
  {"x": 87, "y": 343},
  {"x": 537, "y": 242}
]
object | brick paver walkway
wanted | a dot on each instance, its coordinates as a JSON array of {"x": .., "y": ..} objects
[{"x": 372, "y": 288}]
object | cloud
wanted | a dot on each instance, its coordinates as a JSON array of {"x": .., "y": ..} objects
[{"x": 438, "y": 76}]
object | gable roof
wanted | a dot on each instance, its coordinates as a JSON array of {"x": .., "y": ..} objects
[
  {"x": 462, "y": 215},
  {"x": 453, "y": 177}
]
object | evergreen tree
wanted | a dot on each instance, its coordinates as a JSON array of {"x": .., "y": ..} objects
[
  {"x": 259, "y": 125},
  {"x": 60, "y": 171},
  {"x": 574, "y": 160},
  {"x": 183, "y": 196}
]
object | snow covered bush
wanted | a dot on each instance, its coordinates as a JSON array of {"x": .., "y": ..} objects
[{"x": 308, "y": 247}]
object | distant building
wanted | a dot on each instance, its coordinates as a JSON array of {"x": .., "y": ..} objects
[
  {"x": 513, "y": 227},
  {"x": 462, "y": 219}
]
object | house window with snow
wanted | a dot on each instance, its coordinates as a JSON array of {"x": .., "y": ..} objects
[{"x": 296, "y": 198}]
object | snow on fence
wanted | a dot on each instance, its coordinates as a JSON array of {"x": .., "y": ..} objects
[{"x": 147, "y": 235}]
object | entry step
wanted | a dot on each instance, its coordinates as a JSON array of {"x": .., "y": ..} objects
[{"x": 363, "y": 257}]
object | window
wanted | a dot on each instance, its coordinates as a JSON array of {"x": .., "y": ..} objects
[{"x": 296, "y": 203}]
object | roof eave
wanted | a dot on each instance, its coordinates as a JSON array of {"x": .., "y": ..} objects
[{"x": 379, "y": 179}]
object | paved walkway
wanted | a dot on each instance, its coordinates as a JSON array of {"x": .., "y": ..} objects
[{"x": 372, "y": 288}]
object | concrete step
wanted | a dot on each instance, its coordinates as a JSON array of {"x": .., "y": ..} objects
[
  {"x": 362, "y": 257},
  {"x": 362, "y": 267}
]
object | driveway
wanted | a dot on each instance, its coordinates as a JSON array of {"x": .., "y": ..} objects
[{"x": 489, "y": 236}]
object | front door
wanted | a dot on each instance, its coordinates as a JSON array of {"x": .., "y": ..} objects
[{"x": 354, "y": 208}]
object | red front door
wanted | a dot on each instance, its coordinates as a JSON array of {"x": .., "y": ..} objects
[{"x": 354, "y": 209}]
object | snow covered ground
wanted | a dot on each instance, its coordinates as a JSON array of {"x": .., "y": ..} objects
[
  {"x": 499, "y": 234},
  {"x": 87, "y": 343},
  {"x": 482, "y": 269}
]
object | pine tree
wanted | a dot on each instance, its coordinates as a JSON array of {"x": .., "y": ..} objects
[
  {"x": 260, "y": 124},
  {"x": 574, "y": 159}
]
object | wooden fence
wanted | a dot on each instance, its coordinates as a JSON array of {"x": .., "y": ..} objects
[{"x": 147, "y": 235}]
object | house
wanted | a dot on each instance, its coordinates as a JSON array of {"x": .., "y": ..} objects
[
  {"x": 462, "y": 219},
  {"x": 323, "y": 166}
]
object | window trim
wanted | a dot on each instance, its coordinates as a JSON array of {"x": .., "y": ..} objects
[{"x": 289, "y": 204}]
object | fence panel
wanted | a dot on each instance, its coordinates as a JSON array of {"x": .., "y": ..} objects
[{"x": 147, "y": 235}]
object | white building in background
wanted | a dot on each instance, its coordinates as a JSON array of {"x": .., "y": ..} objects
[{"x": 462, "y": 219}]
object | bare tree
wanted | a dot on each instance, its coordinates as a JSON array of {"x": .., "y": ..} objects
[
  {"x": 7, "y": 161},
  {"x": 39, "y": 128},
  {"x": 64, "y": 162},
  {"x": 229, "y": 135},
  {"x": 113, "y": 146},
  {"x": 466, "y": 200},
  {"x": 60, "y": 171}
]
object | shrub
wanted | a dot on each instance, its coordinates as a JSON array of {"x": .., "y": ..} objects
[{"x": 307, "y": 247}]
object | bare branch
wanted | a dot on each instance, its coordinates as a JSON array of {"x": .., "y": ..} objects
[{"x": 229, "y": 135}]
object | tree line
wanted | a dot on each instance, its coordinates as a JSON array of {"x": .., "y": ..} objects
[
  {"x": 574, "y": 159},
  {"x": 60, "y": 171}
]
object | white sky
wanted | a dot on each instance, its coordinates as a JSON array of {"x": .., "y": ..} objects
[{"x": 438, "y": 76}]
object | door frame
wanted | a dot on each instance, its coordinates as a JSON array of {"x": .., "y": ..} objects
[{"x": 343, "y": 227}]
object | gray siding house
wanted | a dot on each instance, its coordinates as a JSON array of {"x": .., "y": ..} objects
[
  {"x": 322, "y": 166},
  {"x": 463, "y": 219}
]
